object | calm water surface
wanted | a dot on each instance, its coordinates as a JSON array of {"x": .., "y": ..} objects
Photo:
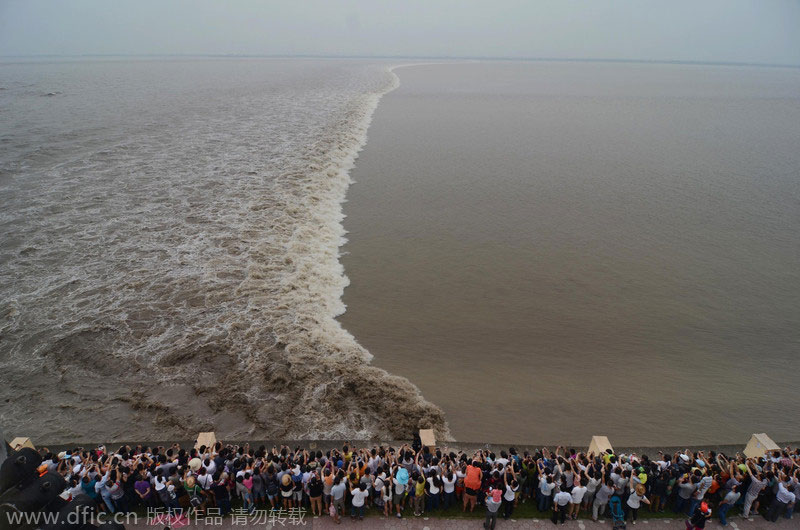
[{"x": 555, "y": 250}]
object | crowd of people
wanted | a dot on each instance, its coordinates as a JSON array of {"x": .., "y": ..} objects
[{"x": 414, "y": 480}]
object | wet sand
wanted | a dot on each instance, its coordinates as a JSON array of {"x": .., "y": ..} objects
[{"x": 555, "y": 250}]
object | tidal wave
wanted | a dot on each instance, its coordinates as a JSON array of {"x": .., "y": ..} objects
[{"x": 171, "y": 235}]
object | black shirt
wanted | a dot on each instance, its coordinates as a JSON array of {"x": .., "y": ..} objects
[{"x": 314, "y": 488}]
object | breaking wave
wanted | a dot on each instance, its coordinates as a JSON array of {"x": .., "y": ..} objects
[{"x": 171, "y": 253}]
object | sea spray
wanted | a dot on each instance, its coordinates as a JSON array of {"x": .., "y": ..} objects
[{"x": 339, "y": 394}]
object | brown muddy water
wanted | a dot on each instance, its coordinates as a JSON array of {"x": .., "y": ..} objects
[{"x": 555, "y": 250}]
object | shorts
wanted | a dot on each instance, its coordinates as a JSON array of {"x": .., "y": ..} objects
[
  {"x": 298, "y": 495},
  {"x": 397, "y": 498},
  {"x": 339, "y": 503},
  {"x": 470, "y": 491}
]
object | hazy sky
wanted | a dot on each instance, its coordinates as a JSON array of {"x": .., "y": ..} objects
[{"x": 763, "y": 31}]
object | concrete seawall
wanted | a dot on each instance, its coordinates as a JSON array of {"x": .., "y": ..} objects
[{"x": 468, "y": 447}]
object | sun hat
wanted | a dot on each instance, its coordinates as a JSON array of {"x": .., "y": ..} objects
[
  {"x": 286, "y": 479},
  {"x": 190, "y": 482},
  {"x": 685, "y": 458},
  {"x": 194, "y": 464},
  {"x": 402, "y": 476}
]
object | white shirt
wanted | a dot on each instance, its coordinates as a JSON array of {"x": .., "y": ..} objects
[
  {"x": 375, "y": 463},
  {"x": 634, "y": 501},
  {"x": 577, "y": 494},
  {"x": 562, "y": 498},
  {"x": 359, "y": 496},
  {"x": 433, "y": 489},
  {"x": 545, "y": 487},
  {"x": 784, "y": 495},
  {"x": 205, "y": 481},
  {"x": 510, "y": 493},
  {"x": 449, "y": 485}
]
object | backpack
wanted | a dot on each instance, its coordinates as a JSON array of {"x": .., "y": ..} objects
[{"x": 272, "y": 484}]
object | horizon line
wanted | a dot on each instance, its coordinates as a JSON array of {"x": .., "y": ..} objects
[{"x": 412, "y": 57}]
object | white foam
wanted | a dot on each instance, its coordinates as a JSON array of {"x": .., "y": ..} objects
[{"x": 180, "y": 222}]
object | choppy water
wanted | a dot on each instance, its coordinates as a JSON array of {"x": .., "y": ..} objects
[
  {"x": 555, "y": 250},
  {"x": 169, "y": 234}
]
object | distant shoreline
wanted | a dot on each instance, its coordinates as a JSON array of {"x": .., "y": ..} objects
[{"x": 404, "y": 57}]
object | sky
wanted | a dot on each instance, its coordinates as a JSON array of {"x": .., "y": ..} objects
[{"x": 750, "y": 31}]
